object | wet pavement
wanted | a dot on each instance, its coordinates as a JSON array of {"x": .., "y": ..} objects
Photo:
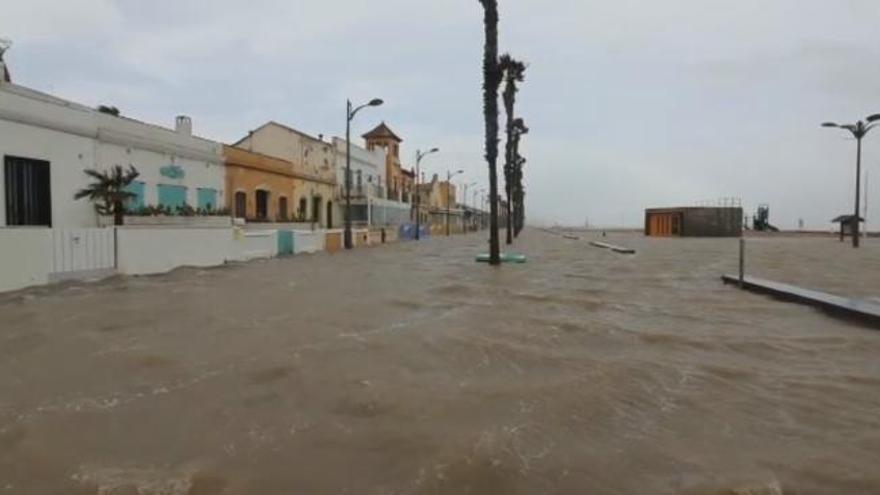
[{"x": 409, "y": 368}]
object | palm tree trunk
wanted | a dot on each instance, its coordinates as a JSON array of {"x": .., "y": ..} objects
[
  {"x": 118, "y": 213},
  {"x": 508, "y": 158},
  {"x": 491, "y": 81}
]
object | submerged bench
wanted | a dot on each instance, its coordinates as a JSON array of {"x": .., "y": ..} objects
[
  {"x": 505, "y": 258},
  {"x": 616, "y": 249},
  {"x": 863, "y": 311}
]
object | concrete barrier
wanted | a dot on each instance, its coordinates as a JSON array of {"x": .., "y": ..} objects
[
  {"x": 26, "y": 257},
  {"x": 308, "y": 241},
  {"x": 391, "y": 235},
  {"x": 333, "y": 240},
  {"x": 151, "y": 250},
  {"x": 361, "y": 237},
  {"x": 250, "y": 245}
]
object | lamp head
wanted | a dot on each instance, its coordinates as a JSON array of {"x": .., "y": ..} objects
[
  {"x": 830, "y": 124},
  {"x": 375, "y": 102}
]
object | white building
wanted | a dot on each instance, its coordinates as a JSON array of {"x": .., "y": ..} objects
[
  {"x": 369, "y": 202},
  {"x": 46, "y": 143}
]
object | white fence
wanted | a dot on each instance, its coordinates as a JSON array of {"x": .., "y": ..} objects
[
  {"x": 37, "y": 256},
  {"x": 78, "y": 253}
]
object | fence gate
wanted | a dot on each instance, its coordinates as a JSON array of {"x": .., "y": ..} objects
[{"x": 82, "y": 253}]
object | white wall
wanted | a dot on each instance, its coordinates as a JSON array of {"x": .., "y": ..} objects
[
  {"x": 68, "y": 155},
  {"x": 26, "y": 257},
  {"x": 250, "y": 245},
  {"x": 158, "y": 250},
  {"x": 197, "y": 173},
  {"x": 306, "y": 241}
]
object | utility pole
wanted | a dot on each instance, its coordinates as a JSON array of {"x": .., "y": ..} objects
[{"x": 449, "y": 176}]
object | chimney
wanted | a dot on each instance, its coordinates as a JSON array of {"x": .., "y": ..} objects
[{"x": 183, "y": 125}]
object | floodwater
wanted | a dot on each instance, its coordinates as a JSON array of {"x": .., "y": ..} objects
[{"x": 410, "y": 369}]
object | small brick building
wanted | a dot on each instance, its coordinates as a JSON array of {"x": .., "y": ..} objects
[{"x": 694, "y": 221}]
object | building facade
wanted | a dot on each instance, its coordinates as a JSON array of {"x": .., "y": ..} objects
[
  {"x": 312, "y": 161},
  {"x": 367, "y": 179},
  {"x": 46, "y": 143},
  {"x": 399, "y": 181},
  {"x": 262, "y": 188},
  {"x": 437, "y": 204},
  {"x": 697, "y": 221}
]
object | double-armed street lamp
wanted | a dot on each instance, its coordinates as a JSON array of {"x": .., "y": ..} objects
[
  {"x": 418, "y": 198},
  {"x": 449, "y": 176},
  {"x": 349, "y": 116},
  {"x": 859, "y": 130}
]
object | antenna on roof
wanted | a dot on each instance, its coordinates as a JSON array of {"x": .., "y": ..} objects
[{"x": 5, "y": 44}]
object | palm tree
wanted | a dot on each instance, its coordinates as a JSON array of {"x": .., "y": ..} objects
[
  {"x": 109, "y": 191},
  {"x": 519, "y": 129},
  {"x": 514, "y": 72},
  {"x": 491, "y": 82}
]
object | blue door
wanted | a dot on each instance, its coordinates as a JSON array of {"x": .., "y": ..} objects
[{"x": 285, "y": 242}]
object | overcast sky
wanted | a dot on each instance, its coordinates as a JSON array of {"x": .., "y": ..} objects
[{"x": 631, "y": 103}]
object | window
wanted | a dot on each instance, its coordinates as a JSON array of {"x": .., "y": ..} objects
[
  {"x": 172, "y": 196},
  {"x": 240, "y": 204},
  {"x": 28, "y": 196},
  {"x": 137, "y": 202},
  {"x": 360, "y": 179},
  {"x": 207, "y": 198}
]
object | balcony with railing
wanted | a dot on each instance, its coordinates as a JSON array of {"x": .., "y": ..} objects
[{"x": 362, "y": 191}]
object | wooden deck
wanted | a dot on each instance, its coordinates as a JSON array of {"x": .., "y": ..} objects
[
  {"x": 863, "y": 311},
  {"x": 616, "y": 249}
]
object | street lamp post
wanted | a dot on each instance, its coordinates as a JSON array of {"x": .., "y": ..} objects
[
  {"x": 449, "y": 176},
  {"x": 858, "y": 130},
  {"x": 418, "y": 199},
  {"x": 349, "y": 115},
  {"x": 476, "y": 211},
  {"x": 464, "y": 201}
]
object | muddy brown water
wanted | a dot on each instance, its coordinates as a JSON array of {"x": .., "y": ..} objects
[{"x": 411, "y": 369}]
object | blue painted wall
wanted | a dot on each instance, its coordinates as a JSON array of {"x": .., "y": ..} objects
[
  {"x": 172, "y": 196},
  {"x": 139, "y": 189},
  {"x": 207, "y": 198}
]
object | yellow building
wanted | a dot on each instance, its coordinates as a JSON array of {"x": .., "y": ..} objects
[
  {"x": 263, "y": 188},
  {"x": 437, "y": 203},
  {"x": 300, "y": 166},
  {"x": 399, "y": 181}
]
